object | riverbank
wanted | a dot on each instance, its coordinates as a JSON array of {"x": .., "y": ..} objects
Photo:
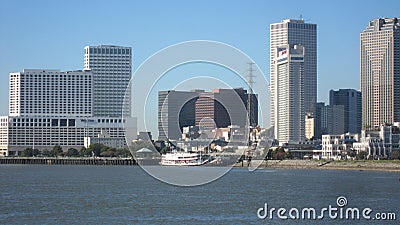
[{"x": 371, "y": 165}]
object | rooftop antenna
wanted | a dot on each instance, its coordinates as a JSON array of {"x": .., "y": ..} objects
[{"x": 301, "y": 17}]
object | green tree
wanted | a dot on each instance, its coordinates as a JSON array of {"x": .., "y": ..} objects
[
  {"x": 35, "y": 152},
  {"x": 46, "y": 153},
  {"x": 351, "y": 153},
  {"x": 278, "y": 153},
  {"x": 95, "y": 149},
  {"x": 56, "y": 151},
  {"x": 28, "y": 152},
  {"x": 108, "y": 152},
  {"x": 362, "y": 155},
  {"x": 123, "y": 152},
  {"x": 85, "y": 152},
  {"x": 72, "y": 152},
  {"x": 288, "y": 155}
]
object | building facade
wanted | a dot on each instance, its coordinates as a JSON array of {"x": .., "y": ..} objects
[
  {"x": 208, "y": 110},
  {"x": 350, "y": 99},
  {"x": 380, "y": 72},
  {"x": 295, "y": 32},
  {"x": 289, "y": 94},
  {"x": 309, "y": 126},
  {"x": 379, "y": 144},
  {"x": 50, "y": 93},
  {"x": 19, "y": 133},
  {"x": 176, "y": 109},
  {"x": 336, "y": 146},
  {"x": 226, "y": 107},
  {"x": 112, "y": 70},
  {"x": 49, "y": 107}
]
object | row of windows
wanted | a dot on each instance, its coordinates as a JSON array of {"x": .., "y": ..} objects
[{"x": 108, "y": 51}]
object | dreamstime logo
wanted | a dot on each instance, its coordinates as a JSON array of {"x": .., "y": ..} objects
[
  {"x": 332, "y": 212},
  {"x": 154, "y": 75}
]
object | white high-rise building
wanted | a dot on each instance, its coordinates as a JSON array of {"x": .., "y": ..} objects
[
  {"x": 49, "y": 93},
  {"x": 71, "y": 109},
  {"x": 380, "y": 72},
  {"x": 295, "y": 32},
  {"x": 289, "y": 92},
  {"x": 112, "y": 71},
  {"x": 49, "y": 107}
]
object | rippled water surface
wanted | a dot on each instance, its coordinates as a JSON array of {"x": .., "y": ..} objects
[{"x": 44, "y": 194}]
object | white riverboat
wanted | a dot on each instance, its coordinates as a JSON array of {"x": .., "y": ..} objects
[{"x": 184, "y": 159}]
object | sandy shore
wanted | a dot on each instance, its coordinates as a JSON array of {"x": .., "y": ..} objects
[{"x": 389, "y": 166}]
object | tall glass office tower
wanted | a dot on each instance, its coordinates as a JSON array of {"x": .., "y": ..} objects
[{"x": 380, "y": 72}]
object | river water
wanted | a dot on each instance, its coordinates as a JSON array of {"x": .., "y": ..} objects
[{"x": 56, "y": 194}]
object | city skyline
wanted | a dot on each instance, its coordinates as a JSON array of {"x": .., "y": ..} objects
[
  {"x": 338, "y": 36},
  {"x": 18, "y": 52}
]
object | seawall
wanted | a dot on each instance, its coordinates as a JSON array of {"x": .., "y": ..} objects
[{"x": 68, "y": 161}]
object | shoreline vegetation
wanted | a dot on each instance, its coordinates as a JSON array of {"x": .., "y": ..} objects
[{"x": 368, "y": 165}]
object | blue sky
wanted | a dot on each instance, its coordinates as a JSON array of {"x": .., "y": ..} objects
[{"x": 52, "y": 34}]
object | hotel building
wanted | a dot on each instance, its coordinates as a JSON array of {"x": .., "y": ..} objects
[
  {"x": 112, "y": 70},
  {"x": 295, "y": 32},
  {"x": 50, "y": 107},
  {"x": 289, "y": 92}
]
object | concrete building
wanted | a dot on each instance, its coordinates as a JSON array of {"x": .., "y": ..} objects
[
  {"x": 289, "y": 92},
  {"x": 19, "y": 133},
  {"x": 112, "y": 70},
  {"x": 144, "y": 136},
  {"x": 218, "y": 108},
  {"x": 380, "y": 72},
  {"x": 350, "y": 99},
  {"x": 309, "y": 126},
  {"x": 318, "y": 120},
  {"x": 49, "y": 107},
  {"x": 336, "y": 146},
  {"x": 295, "y": 32},
  {"x": 226, "y": 107},
  {"x": 379, "y": 143},
  {"x": 50, "y": 93},
  {"x": 105, "y": 139},
  {"x": 176, "y": 109},
  {"x": 329, "y": 119}
]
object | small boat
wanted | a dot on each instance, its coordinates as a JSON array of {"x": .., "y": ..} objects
[{"x": 184, "y": 159}]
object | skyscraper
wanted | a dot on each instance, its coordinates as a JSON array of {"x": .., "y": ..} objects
[
  {"x": 380, "y": 72},
  {"x": 112, "y": 71},
  {"x": 176, "y": 109},
  {"x": 318, "y": 119},
  {"x": 295, "y": 32},
  {"x": 289, "y": 93},
  {"x": 226, "y": 107},
  {"x": 351, "y": 101}
]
